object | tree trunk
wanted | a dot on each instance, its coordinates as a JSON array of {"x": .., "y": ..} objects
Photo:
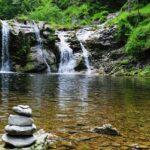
[{"x": 129, "y": 5}]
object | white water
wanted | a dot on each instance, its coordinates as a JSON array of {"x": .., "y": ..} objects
[
  {"x": 67, "y": 61},
  {"x": 39, "y": 45},
  {"x": 86, "y": 57},
  {"x": 5, "y": 62},
  {"x": 82, "y": 36}
]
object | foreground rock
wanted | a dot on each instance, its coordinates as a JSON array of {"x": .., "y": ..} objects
[
  {"x": 106, "y": 129},
  {"x": 23, "y": 110},
  {"x": 16, "y": 130},
  {"x": 44, "y": 141},
  {"x": 17, "y": 141},
  {"x": 19, "y": 120},
  {"x": 20, "y": 128}
]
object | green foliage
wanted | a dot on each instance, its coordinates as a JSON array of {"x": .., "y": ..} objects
[
  {"x": 46, "y": 12},
  {"x": 124, "y": 62},
  {"x": 139, "y": 41},
  {"x": 67, "y": 13},
  {"x": 134, "y": 30},
  {"x": 101, "y": 16},
  {"x": 11, "y": 8},
  {"x": 146, "y": 71}
]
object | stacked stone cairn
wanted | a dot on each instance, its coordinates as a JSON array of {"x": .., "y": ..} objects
[{"x": 20, "y": 128}]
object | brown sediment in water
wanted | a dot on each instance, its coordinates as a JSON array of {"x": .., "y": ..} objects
[{"x": 71, "y": 105}]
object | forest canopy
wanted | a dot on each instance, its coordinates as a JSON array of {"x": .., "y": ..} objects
[{"x": 58, "y": 11}]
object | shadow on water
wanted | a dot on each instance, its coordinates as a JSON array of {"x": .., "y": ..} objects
[{"x": 61, "y": 102}]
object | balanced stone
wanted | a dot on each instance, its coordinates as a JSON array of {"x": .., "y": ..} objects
[
  {"x": 20, "y": 131},
  {"x": 20, "y": 120},
  {"x": 23, "y": 110},
  {"x": 20, "y": 128},
  {"x": 18, "y": 142}
]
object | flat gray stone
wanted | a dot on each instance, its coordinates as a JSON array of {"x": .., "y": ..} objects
[
  {"x": 18, "y": 142},
  {"x": 17, "y": 130},
  {"x": 20, "y": 120},
  {"x": 23, "y": 110}
]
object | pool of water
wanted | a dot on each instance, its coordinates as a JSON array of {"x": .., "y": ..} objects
[{"x": 70, "y": 105}]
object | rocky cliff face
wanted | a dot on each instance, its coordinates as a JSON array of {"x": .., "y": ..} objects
[
  {"x": 25, "y": 55},
  {"x": 105, "y": 53}
]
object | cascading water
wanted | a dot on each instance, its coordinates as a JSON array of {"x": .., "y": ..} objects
[
  {"x": 86, "y": 57},
  {"x": 5, "y": 62},
  {"x": 67, "y": 60},
  {"x": 39, "y": 45},
  {"x": 81, "y": 36}
]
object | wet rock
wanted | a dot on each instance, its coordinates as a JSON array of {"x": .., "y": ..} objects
[
  {"x": 103, "y": 37},
  {"x": 20, "y": 120},
  {"x": 47, "y": 28},
  {"x": 17, "y": 130},
  {"x": 106, "y": 129},
  {"x": 41, "y": 25},
  {"x": 23, "y": 110},
  {"x": 37, "y": 62},
  {"x": 135, "y": 146},
  {"x": 46, "y": 34},
  {"x": 23, "y": 38},
  {"x": 47, "y": 140},
  {"x": 18, "y": 142},
  {"x": 66, "y": 144}
]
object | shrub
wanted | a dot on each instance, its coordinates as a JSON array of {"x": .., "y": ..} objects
[{"x": 139, "y": 40}]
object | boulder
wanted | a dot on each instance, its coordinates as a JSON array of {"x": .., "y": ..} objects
[
  {"x": 17, "y": 130},
  {"x": 23, "y": 110},
  {"x": 18, "y": 142},
  {"x": 20, "y": 120}
]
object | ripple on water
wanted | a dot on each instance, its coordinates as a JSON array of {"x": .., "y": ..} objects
[{"x": 61, "y": 103}]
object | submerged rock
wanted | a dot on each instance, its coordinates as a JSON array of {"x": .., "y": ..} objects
[
  {"x": 19, "y": 142},
  {"x": 106, "y": 129}
]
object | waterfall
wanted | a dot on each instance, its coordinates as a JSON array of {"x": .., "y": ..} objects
[
  {"x": 67, "y": 60},
  {"x": 86, "y": 57},
  {"x": 82, "y": 36},
  {"x": 5, "y": 62},
  {"x": 39, "y": 45}
]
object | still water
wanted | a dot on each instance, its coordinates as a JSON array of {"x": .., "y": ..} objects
[{"x": 70, "y": 105}]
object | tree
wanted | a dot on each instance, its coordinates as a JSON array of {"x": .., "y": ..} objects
[{"x": 129, "y": 5}]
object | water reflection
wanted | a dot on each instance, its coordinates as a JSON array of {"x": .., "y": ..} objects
[
  {"x": 4, "y": 101},
  {"x": 62, "y": 100},
  {"x": 73, "y": 93},
  {"x": 37, "y": 86},
  {"x": 5, "y": 87}
]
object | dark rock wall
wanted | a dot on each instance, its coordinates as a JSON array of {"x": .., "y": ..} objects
[
  {"x": 105, "y": 52},
  {"x": 24, "y": 54}
]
